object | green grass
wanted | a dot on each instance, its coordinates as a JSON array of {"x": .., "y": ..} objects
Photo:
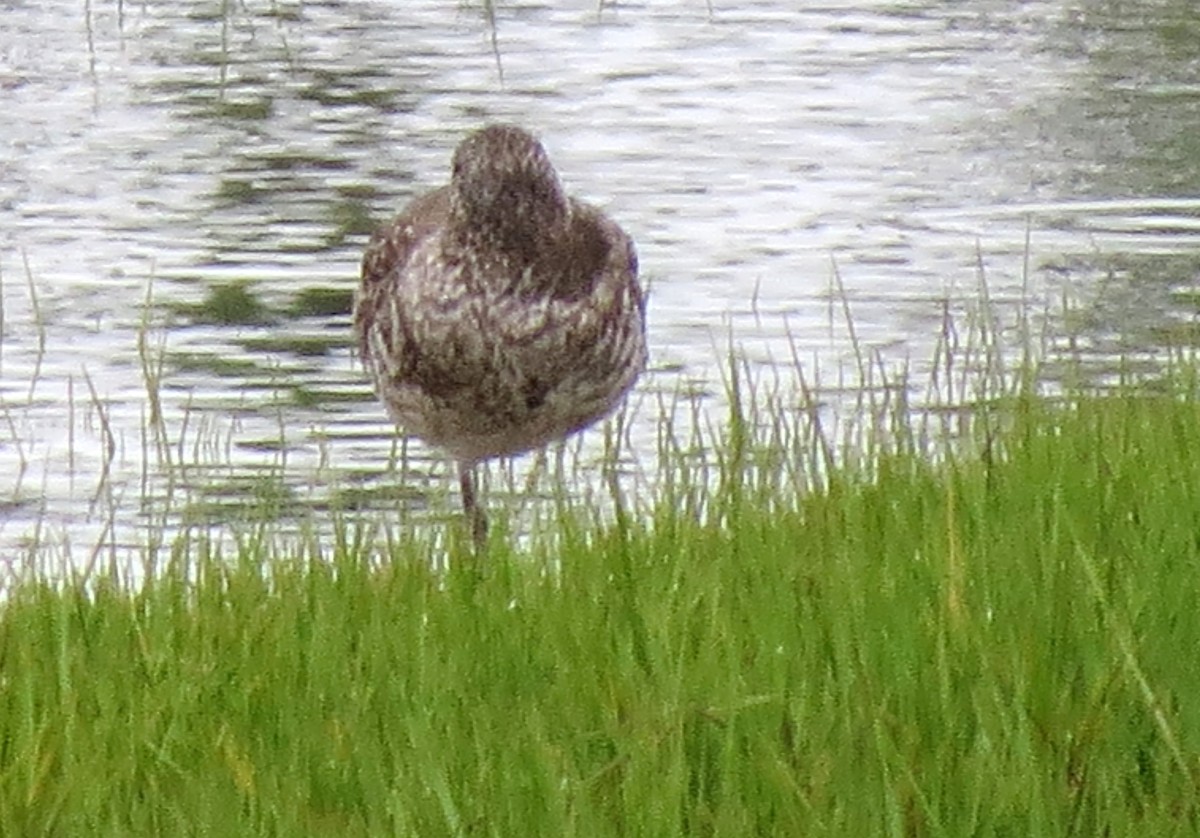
[
  {"x": 228, "y": 304},
  {"x": 996, "y": 637}
]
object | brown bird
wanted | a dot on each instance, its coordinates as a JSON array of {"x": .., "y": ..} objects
[{"x": 496, "y": 314}]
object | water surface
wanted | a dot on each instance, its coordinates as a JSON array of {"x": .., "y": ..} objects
[{"x": 771, "y": 162}]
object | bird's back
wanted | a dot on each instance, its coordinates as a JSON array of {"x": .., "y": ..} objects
[{"x": 483, "y": 352}]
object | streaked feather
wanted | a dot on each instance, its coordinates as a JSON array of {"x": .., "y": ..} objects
[{"x": 495, "y": 314}]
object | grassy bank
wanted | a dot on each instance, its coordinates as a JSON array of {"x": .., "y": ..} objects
[{"x": 998, "y": 640}]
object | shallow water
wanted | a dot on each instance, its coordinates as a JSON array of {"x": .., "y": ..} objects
[{"x": 153, "y": 151}]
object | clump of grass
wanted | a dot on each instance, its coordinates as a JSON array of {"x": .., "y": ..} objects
[
  {"x": 289, "y": 161},
  {"x": 255, "y": 498},
  {"x": 333, "y": 90},
  {"x": 236, "y": 190},
  {"x": 322, "y": 302},
  {"x": 216, "y": 365},
  {"x": 350, "y": 216},
  {"x": 992, "y": 640},
  {"x": 229, "y": 304},
  {"x": 297, "y": 344},
  {"x": 255, "y": 110},
  {"x": 237, "y": 304},
  {"x": 321, "y": 397}
]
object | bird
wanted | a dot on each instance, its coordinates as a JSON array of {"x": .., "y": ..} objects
[{"x": 497, "y": 314}]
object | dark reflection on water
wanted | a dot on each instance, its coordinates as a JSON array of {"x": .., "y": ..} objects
[{"x": 158, "y": 153}]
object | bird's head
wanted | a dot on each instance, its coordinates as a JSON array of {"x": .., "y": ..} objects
[{"x": 503, "y": 189}]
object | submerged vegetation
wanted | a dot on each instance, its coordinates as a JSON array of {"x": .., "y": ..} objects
[
  {"x": 228, "y": 304},
  {"x": 988, "y": 631},
  {"x": 238, "y": 304}
]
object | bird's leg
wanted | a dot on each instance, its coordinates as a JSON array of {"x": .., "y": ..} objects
[{"x": 476, "y": 516}]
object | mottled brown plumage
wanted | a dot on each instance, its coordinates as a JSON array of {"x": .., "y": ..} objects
[{"x": 497, "y": 314}]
